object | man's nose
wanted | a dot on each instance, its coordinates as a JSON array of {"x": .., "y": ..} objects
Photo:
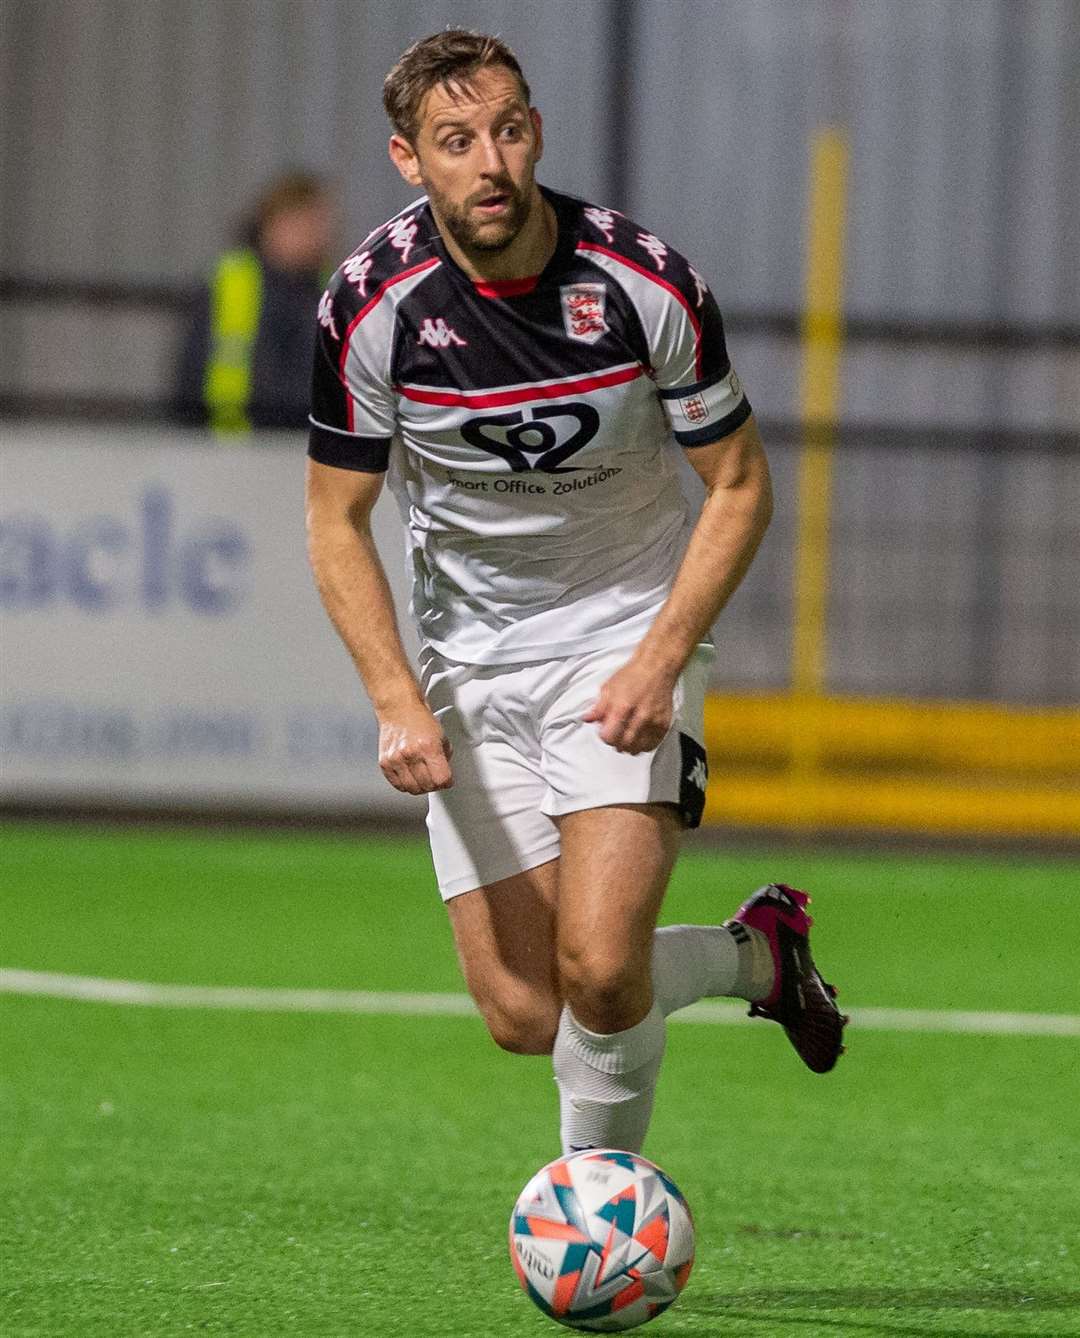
[{"x": 492, "y": 163}]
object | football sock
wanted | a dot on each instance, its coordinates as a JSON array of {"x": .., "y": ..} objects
[
  {"x": 607, "y": 1082},
  {"x": 757, "y": 966},
  {"x": 692, "y": 962}
]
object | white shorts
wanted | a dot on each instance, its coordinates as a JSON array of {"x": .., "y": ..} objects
[{"x": 522, "y": 755}]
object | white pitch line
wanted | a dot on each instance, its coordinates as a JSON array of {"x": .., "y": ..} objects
[
  {"x": 92, "y": 989},
  {"x": 144, "y": 994}
]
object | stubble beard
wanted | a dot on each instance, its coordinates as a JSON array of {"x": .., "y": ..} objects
[{"x": 488, "y": 237}]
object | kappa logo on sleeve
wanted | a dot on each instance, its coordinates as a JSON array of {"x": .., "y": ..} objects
[
  {"x": 603, "y": 220},
  {"x": 356, "y": 270},
  {"x": 700, "y": 284},
  {"x": 402, "y": 235},
  {"x": 584, "y": 308},
  {"x": 326, "y": 315},
  {"x": 655, "y": 248}
]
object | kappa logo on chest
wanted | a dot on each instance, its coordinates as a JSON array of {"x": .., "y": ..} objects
[
  {"x": 437, "y": 334},
  {"x": 584, "y": 307}
]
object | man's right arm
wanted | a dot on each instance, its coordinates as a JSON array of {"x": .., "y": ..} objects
[{"x": 414, "y": 754}]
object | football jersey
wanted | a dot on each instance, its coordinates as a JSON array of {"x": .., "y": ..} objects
[{"x": 529, "y": 426}]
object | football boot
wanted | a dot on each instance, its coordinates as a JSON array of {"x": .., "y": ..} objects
[{"x": 803, "y": 1003}]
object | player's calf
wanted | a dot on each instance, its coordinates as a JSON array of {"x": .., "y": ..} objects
[{"x": 523, "y": 1024}]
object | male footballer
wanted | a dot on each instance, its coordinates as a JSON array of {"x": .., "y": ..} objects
[{"x": 523, "y": 367}]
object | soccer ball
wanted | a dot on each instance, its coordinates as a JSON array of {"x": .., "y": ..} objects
[{"x": 602, "y": 1240}]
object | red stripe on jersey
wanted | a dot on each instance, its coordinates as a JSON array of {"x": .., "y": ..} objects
[
  {"x": 663, "y": 283},
  {"x": 497, "y": 399},
  {"x": 372, "y": 302},
  {"x": 505, "y": 287}
]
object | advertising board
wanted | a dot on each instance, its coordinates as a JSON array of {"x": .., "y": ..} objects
[{"x": 161, "y": 640}]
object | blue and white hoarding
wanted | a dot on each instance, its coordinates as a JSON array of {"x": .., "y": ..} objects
[{"x": 161, "y": 641}]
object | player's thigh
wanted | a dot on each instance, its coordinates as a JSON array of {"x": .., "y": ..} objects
[
  {"x": 488, "y": 826},
  {"x": 613, "y": 872},
  {"x": 505, "y": 939},
  {"x": 584, "y": 772}
]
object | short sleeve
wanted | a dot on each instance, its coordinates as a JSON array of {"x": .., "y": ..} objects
[
  {"x": 352, "y": 404},
  {"x": 701, "y": 394}
]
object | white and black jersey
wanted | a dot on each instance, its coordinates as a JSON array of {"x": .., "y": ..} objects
[{"x": 527, "y": 425}]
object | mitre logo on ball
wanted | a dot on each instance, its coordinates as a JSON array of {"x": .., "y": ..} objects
[{"x": 583, "y": 308}]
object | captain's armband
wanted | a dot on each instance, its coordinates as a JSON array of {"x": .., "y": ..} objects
[{"x": 706, "y": 410}]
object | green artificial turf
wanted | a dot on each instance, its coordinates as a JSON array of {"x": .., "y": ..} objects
[{"x": 179, "y": 1171}]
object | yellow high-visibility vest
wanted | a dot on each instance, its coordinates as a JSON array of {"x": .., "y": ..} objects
[{"x": 235, "y": 305}]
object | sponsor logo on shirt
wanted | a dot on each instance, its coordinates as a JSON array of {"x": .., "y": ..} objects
[
  {"x": 540, "y": 437},
  {"x": 437, "y": 334},
  {"x": 583, "y": 308}
]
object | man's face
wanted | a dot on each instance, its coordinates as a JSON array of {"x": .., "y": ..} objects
[
  {"x": 299, "y": 237},
  {"x": 475, "y": 152}
]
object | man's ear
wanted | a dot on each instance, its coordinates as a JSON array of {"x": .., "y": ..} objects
[
  {"x": 538, "y": 131},
  {"x": 403, "y": 156}
]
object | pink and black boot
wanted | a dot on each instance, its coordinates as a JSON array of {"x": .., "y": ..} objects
[{"x": 800, "y": 1000}]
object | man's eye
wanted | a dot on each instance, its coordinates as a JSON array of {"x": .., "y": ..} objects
[
  {"x": 511, "y": 132},
  {"x": 456, "y": 144}
]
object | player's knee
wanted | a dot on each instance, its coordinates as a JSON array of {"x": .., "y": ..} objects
[
  {"x": 599, "y": 984},
  {"x": 523, "y": 1027}
]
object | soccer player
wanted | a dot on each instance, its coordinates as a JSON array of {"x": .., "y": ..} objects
[{"x": 524, "y": 367}]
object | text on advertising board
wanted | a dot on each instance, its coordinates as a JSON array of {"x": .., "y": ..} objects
[{"x": 151, "y": 559}]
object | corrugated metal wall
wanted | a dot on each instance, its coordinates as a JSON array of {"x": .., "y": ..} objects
[
  {"x": 135, "y": 129},
  {"x": 965, "y": 121}
]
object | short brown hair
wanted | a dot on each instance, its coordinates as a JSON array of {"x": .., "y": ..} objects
[
  {"x": 291, "y": 190},
  {"x": 452, "y": 57}
]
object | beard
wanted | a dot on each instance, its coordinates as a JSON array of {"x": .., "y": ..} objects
[{"x": 484, "y": 235}]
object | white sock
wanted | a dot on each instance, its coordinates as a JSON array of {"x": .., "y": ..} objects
[
  {"x": 607, "y": 1082},
  {"x": 692, "y": 962}
]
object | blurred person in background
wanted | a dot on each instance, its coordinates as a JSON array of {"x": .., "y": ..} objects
[{"x": 245, "y": 361}]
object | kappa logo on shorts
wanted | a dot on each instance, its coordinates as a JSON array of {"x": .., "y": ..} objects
[
  {"x": 694, "y": 780},
  {"x": 584, "y": 310}
]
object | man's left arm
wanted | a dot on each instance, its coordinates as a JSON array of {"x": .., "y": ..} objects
[{"x": 634, "y": 708}]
